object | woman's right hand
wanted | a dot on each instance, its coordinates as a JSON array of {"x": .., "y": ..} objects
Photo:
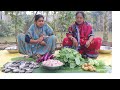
[
  {"x": 75, "y": 42},
  {"x": 43, "y": 43},
  {"x": 39, "y": 40}
]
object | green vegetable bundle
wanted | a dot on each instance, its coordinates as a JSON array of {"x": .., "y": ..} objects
[
  {"x": 99, "y": 64},
  {"x": 96, "y": 63},
  {"x": 70, "y": 57}
]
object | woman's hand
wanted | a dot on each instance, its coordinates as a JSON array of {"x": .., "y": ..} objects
[
  {"x": 75, "y": 42},
  {"x": 39, "y": 40},
  {"x": 89, "y": 41},
  {"x": 43, "y": 43}
]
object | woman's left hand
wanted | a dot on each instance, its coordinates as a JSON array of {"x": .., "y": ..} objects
[{"x": 87, "y": 44}]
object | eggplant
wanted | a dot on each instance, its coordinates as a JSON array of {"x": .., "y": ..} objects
[
  {"x": 40, "y": 59},
  {"x": 51, "y": 56},
  {"x": 46, "y": 56}
]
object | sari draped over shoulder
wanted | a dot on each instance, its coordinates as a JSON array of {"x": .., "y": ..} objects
[
  {"x": 35, "y": 32},
  {"x": 85, "y": 31}
]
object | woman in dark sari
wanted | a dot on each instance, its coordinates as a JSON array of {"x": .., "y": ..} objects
[{"x": 80, "y": 36}]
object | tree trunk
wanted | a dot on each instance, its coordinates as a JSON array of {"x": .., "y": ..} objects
[
  {"x": 16, "y": 31},
  {"x": 0, "y": 15},
  {"x": 105, "y": 33},
  {"x": 47, "y": 12}
]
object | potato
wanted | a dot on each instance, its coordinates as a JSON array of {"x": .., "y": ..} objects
[
  {"x": 90, "y": 68},
  {"x": 89, "y": 64},
  {"x": 85, "y": 65},
  {"x": 94, "y": 69},
  {"x": 85, "y": 68}
]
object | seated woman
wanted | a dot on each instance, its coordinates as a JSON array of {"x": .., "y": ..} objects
[
  {"x": 80, "y": 36},
  {"x": 38, "y": 40}
]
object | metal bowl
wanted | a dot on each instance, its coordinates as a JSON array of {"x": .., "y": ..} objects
[
  {"x": 12, "y": 49},
  {"x": 51, "y": 67},
  {"x": 105, "y": 49}
]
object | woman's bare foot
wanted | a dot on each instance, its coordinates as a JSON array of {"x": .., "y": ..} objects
[
  {"x": 39, "y": 56},
  {"x": 27, "y": 56}
]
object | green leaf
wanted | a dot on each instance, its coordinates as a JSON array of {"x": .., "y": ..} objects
[
  {"x": 67, "y": 56},
  {"x": 101, "y": 63},
  {"x": 57, "y": 55},
  {"x": 71, "y": 56},
  {"x": 72, "y": 65},
  {"x": 65, "y": 60},
  {"x": 81, "y": 63},
  {"x": 77, "y": 60},
  {"x": 82, "y": 59},
  {"x": 96, "y": 63}
]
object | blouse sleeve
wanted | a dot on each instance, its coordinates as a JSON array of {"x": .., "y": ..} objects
[
  {"x": 91, "y": 29},
  {"x": 29, "y": 34},
  {"x": 91, "y": 34}
]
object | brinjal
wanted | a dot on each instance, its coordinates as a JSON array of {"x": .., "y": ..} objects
[
  {"x": 46, "y": 56},
  {"x": 40, "y": 59},
  {"x": 51, "y": 56}
]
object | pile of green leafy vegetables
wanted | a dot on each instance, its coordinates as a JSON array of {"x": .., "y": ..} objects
[{"x": 70, "y": 57}]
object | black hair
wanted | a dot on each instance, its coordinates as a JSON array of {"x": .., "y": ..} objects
[
  {"x": 81, "y": 12},
  {"x": 38, "y": 16}
]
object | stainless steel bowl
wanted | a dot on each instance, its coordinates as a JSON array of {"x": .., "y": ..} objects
[
  {"x": 12, "y": 49},
  {"x": 51, "y": 67},
  {"x": 105, "y": 49}
]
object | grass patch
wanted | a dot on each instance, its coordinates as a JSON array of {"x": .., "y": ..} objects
[{"x": 22, "y": 58}]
